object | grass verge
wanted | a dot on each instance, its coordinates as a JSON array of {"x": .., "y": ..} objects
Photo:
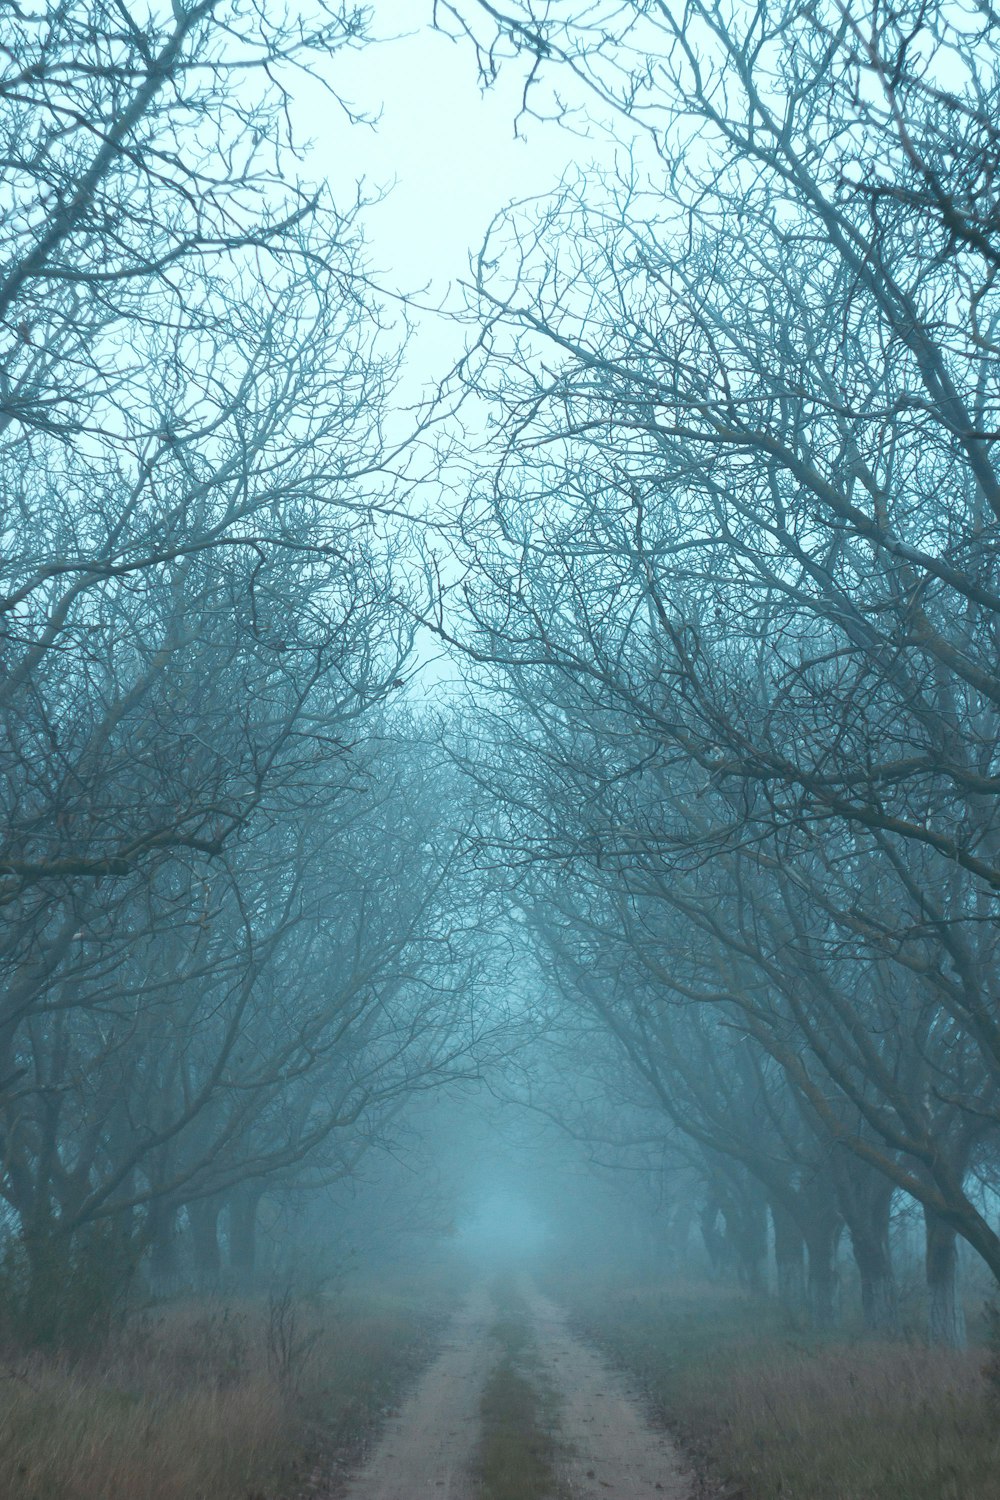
[
  {"x": 208, "y": 1402},
  {"x": 768, "y": 1412},
  {"x": 517, "y": 1447}
]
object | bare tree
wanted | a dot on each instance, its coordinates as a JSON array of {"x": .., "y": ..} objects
[
  {"x": 232, "y": 927},
  {"x": 742, "y": 516}
]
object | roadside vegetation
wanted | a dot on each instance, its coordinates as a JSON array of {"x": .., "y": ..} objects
[
  {"x": 225, "y": 1401},
  {"x": 768, "y": 1409},
  {"x": 518, "y": 1444}
]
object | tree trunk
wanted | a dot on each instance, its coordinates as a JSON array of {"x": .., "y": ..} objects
[
  {"x": 879, "y": 1297},
  {"x": 822, "y": 1238},
  {"x": 868, "y": 1224},
  {"x": 678, "y": 1236},
  {"x": 243, "y": 1234},
  {"x": 746, "y": 1230},
  {"x": 789, "y": 1260},
  {"x": 203, "y": 1216},
  {"x": 945, "y": 1314},
  {"x": 44, "y": 1307},
  {"x": 714, "y": 1239},
  {"x": 164, "y": 1261}
]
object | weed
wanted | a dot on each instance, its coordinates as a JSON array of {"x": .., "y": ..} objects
[
  {"x": 517, "y": 1447},
  {"x": 288, "y": 1348},
  {"x": 201, "y": 1399},
  {"x": 776, "y": 1412},
  {"x": 991, "y": 1364}
]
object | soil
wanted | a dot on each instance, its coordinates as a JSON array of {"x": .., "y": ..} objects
[
  {"x": 428, "y": 1448},
  {"x": 608, "y": 1449},
  {"x": 612, "y": 1450}
]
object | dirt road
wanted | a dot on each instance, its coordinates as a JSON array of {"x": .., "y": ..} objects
[
  {"x": 607, "y": 1448},
  {"x": 429, "y": 1447},
  {"x": 611, "y": 1451}
]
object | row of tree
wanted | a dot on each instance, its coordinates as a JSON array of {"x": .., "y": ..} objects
[
  {"x": 232, "y": 933},
  {"x": 732, "y": 589},
  {"x": 727, "y": 578}
]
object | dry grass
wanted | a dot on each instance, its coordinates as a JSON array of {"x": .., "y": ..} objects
[
  {"x": 517, "y": 1447},
  {"x": 771, "y": 1412},
  {"x": 223, "y": 1403}
]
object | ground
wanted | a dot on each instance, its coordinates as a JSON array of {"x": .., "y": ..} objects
[{"x": 602, "y": 1445}]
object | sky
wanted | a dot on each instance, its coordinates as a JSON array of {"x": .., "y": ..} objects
[
  {"x": 445, "y": 149},
  {"x": 448, "y": 157}
]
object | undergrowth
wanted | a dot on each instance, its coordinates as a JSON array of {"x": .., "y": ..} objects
[
  {"x": 517, "y": 1445},
  {"x": 769, "y": 1411},
  {"x": 203, "y": 1401}
]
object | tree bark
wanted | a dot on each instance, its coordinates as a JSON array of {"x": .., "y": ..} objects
[
  {"x": 789, "y": 1259},
  {"x": 713, "y": 1237},
  {"x": 203, "y": 1216},
  {"x": 746, "y": 1231},
  {"x": 678, "y": 1235},
  {"x": 879, "y": 1296},
  {"x": 164, "y": 1260},
  {"x": 822, "y": 1237},
  {"x": 945, "y": 1313},
  {"x": 243, "y": 1234},
  {"x": 866, "y": 1200},
  {"x": 49, "y": 1261}
]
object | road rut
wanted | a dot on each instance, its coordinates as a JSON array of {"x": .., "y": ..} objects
[{"x": 608, "y": 1450}]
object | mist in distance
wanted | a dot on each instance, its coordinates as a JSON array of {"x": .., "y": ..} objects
[{"x": 499, "y": 765}]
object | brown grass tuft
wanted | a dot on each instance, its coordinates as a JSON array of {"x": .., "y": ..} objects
[
  {"x": 517, "y": 1445},
  {"x": 771, "y": 1412},
  {"x": 193, "y": 1403}
]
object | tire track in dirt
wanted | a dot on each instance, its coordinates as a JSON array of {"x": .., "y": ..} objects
[
  {"x": 606, "y": 1447},
  {"x": 429, "y": 1448}
]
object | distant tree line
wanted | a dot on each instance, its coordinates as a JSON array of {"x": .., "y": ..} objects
[{"x": 732, "y": 600}]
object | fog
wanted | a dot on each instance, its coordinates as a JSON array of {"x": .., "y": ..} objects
[{"x": 500, "y": 761}]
